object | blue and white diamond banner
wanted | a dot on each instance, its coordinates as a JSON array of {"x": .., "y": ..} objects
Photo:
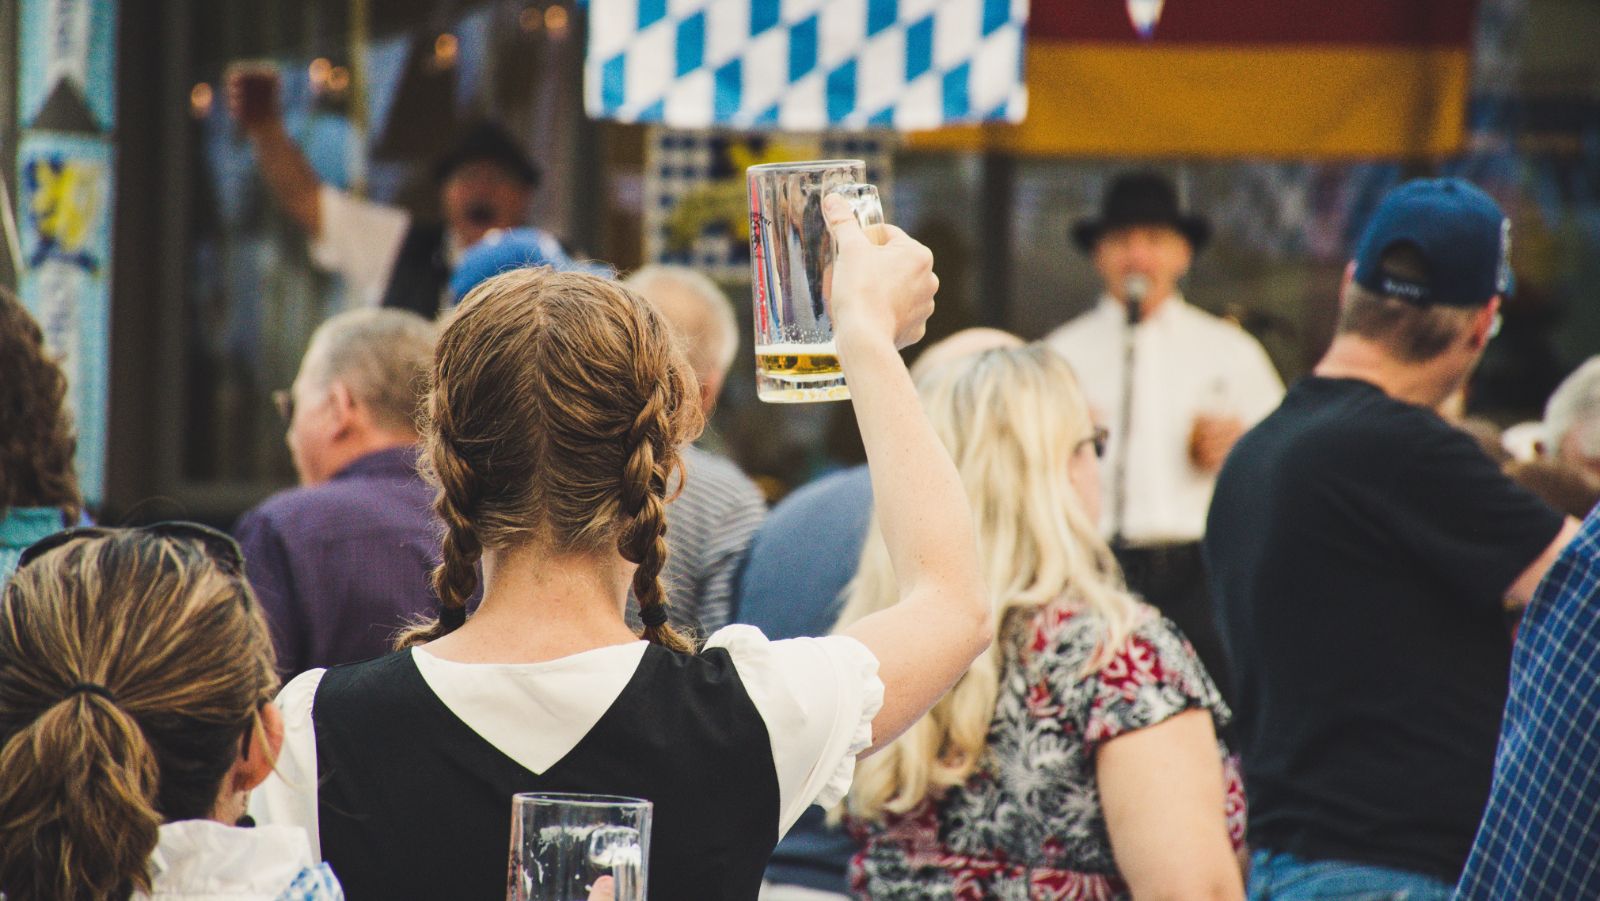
[{"x": 806, "y": 65}]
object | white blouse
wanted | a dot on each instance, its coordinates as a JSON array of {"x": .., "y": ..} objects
[
  {"x": 200, "y": 860},
  {"x": 817, "y": 697}
]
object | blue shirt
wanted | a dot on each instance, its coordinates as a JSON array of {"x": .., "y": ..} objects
[
  {"x": 1540, "y": 835},
  {"x": 340, "y": 567},
  {"x": 22, "y": 526},
  {"x": 792, "y": 586}
]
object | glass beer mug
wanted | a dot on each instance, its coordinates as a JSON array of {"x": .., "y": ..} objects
[
  {"x": 574, "y": 847},
  {"x": 791, "y": 257}
]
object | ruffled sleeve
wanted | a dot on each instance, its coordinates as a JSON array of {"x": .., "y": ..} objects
[
  {"x": 289, "y": 796},
  {"x": 818, "y": 697},
  {"x": 1154, "y": 676}
]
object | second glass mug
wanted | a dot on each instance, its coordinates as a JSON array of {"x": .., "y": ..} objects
[
  {"x": 791, "y": 260},
  {"x": 564, "y": 845}
]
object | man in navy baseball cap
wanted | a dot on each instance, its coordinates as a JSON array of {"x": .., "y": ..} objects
[
  {"x": 1460, "y": 234},
  {"x": 1362, "y": 554}
]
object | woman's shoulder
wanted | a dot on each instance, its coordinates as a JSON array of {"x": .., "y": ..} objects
[{"x": 1150, "y": 672}]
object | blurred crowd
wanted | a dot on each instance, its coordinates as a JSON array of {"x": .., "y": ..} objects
[{"x": 1108, "y": 615}]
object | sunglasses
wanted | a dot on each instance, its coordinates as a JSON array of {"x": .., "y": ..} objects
[
  {"x": 1098, "y": 439},
  {"x": 219, "y": 547}
]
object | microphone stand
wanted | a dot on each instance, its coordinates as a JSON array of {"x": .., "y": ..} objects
[{"x": 1133, "y": 293}]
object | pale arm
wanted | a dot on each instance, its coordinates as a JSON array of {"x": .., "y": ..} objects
[
  {"x": 882, "y": 294},
  {"x": 284, "y": 167},
  {"x": 1521, "y": 591},
  {"x": 1161, "y": 788}
]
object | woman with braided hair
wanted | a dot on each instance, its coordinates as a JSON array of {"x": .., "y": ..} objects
[{"x": 557, "y": 407}]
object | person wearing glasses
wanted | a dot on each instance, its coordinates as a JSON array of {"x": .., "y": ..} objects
[
  {"x": 558, "y": 407},
  {"x": 384, "y": 255},
  {"x": 1363, "y": 553},
  {"x": 136, "y": 714},
  {"x": 1079, "y": 757},
  {"x": 790, "y": 589},
  {"x": 38, "y": 485},
  {"x": 341, "y": 563}
]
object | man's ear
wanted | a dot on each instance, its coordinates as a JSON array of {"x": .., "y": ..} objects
[
  {"x": 343, "y": 407},
  {"x": 1345, "y": 280},
  {"x": 1483, "y": 323}
]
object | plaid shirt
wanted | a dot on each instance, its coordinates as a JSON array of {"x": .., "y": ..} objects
[{"x": 1540, "y": 835}]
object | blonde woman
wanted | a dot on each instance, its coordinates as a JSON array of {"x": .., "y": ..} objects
[{"x": 1078, "y": 758}]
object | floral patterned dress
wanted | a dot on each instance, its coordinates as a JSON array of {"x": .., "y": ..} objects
[{"x": 1027, "y": 824}]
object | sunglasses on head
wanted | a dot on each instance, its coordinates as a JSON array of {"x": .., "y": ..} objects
[{"x": 219, "y": 547}]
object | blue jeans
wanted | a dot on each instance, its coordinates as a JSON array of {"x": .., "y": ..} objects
[{"x": 1275, "y": 876}]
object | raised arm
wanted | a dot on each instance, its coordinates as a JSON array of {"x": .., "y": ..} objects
[
  {"x": 253, "y": 102},
  {"x": 882, "y": 293}
]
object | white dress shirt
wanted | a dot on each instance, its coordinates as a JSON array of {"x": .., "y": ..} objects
[
  {"x": 1189, "y": 363},
  {"x": 360, "y": 241}
]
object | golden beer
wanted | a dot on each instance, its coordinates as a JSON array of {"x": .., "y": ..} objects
[
  {"x": 791, "y": 261},
  {"x": 802, "y": 362},
  {"x": 799, "y": 373}
]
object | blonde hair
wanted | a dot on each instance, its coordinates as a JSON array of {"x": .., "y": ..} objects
[
  {"x": 1012, "y": 420},
  {"x": 132, "y": 669},
  {"x": 557, "y": 406}
]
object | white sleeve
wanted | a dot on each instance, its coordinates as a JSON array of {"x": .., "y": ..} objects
[
  {"x": 359, "y": 240},
  {"x": 818, "y": 697},
  {"x": 289, "y": 796},
  {"x": 1256, "y": 382}
]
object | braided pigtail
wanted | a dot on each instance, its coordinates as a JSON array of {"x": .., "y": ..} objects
[
  {"x": 455, "y": 579},
  {"x": 644, "y": 500}
]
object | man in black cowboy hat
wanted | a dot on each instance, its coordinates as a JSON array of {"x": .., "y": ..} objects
[
  {"x": 486, "y": 182},
  {"x": 1198, "y": 383}
]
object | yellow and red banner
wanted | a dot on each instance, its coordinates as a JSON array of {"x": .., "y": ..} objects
[{"x": 1222, "y": 78}]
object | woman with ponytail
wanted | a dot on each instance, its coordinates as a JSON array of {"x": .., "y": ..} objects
[
  {"x": 136, "y": 679},
  {"x": 558, "y": 405}
]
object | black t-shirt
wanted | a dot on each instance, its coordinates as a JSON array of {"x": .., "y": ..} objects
[{"x": 1359, "y": 551}]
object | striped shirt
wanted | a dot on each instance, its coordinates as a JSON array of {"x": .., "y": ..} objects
[
  {"x": 1540, "y": 835},
  {"x": 709, "y": 527}
]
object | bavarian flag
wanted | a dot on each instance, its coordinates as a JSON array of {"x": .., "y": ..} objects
[
  {"x": 806, "y": 65},
  {"x": 1226, "y": 78}
]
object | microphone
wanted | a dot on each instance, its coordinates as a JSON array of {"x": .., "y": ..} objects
[{"x": 1134, "y": 289}]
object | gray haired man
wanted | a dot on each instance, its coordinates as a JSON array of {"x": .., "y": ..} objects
[{"x": 343, "y": 561}]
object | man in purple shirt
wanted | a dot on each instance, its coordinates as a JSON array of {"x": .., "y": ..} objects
[{"x": 343, "y": 561}]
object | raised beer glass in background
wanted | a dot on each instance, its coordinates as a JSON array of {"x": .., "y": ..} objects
[
  {"x": 256, "y": 82},
  {"x": 561, "y": 844},
  {"x": 791, "y": 258}
]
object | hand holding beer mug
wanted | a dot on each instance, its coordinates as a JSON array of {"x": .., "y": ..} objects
[
  {"x": 792, "y": 257},
  {"x": 252, "y": 90}
]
